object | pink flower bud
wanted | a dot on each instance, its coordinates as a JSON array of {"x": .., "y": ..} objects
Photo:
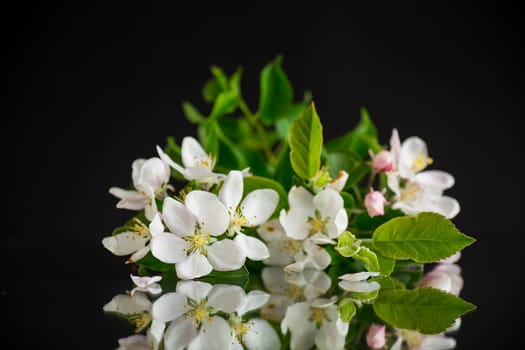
[
  {"x": 383, "y": 162},
  {"x": 375, "y": 338},
  {"x": 375, "y": 203}
]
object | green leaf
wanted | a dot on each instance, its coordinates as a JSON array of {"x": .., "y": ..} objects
[
  {"x": 424, "y": 238},
  {"x": 235, "y": 80},
  {"x": 347, "y": 309},
  {"x": 426, "y": 310},
  {"x": 208, "y": 138},
  {"x": 388, "y": 283},
  {"x": 152, "y": 263},
  {"x": 284, "y": 124},
  {"x": 346, "y": 244},
  {"x": 283, "y": 170},
  {"x": 348, "y": 199},
  {"x": 192, "y": 114},
  {"x": 306, "y": 141},
  {"x": 368, "y": 258},
  {"x": 276, "y": 92},
  {"x": 220, "y": 78},
  {"x": 357, "y": 173},
  {"x": 359, "y": 140},
  {"x": 386, "y": 265},
  {"x": 225, "y": 103},
  {"x": 252, "y": 183},
  {"x": 211, "y": 90}
]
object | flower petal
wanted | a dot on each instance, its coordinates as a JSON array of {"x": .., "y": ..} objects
[
  {"x": 271, "y": 231},
  {"x": 437, "y": 342},
  {"x": 252, "y": 247},
  {"x": 124, "y": 243},
  {"x": 166, "y": 159},
  {"x": 412, "y": 150},
  {"x": 225, "y": 255},
  {"x": 253, "y": 300},
  {"x": 328, "y": 337},
  {"x": 318, "y": 257},
  {"x": 128, "y": 304},
  {"x": 231, "y": 191},
  {"x": 212, "y": 215},
  {"x": 360, "y": 286},
  {"x": 226, "y": 297},
  {"x": 191, "y": 151},
  {"x": 154, "y": 173},
  {"x": 179, "y": 334},
  {"x": 299, "y": 197},
  {"x": 281, "y": 253},
  {"x": 139, "y": 254},
  {"x": 448, "y": 207},
  {"x": 156, "y": 225},
  {"x": 195, "y": 290},
  {"x": 295, "y": 223},
  {"x": 358, "y": 276},
  {"x": 169, "y": 306},
  {"x": 329, "y": 202},
  {"x": 338, "y": 184},
  {"x": 261, "y": 336},
  {"x": 169, "y": 248},
  {"x": 131, "y": 200},
  {"x": 297, "y": 321},
  {"x": 434, "y": 178},
  {"x": 259, "y": 205},
  {"x": 155, "y": 331},
  {"x": 214, "y": 335},
  {"x": 134, "y": 342},
  {"x": 194, "y": 266},
  {"x": 177, "y": 217}
]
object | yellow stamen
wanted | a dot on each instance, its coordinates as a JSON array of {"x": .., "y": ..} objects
[
  {"x": 318, "y": 316},
  {"x": 410, "y": 192},
  {"x": 421, "y": 163}
]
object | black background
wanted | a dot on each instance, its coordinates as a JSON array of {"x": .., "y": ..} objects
[{"x": 96, "y": 87}]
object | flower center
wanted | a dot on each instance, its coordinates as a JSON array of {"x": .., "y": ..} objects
[
  {"x": 318, "y": 315},
  {"x": 199, "y": 312},
  {"x": 237, "y": 221},
  {"x": 318, "y": 223},
  {"x": 198, "y": 242},
  {"x": 140, "y": 228},
  {"x": 241, "y": 329},
  {"x": 410, "y": 192},
  {"x": 141, "y": 321},
  {"x": 421, "y": 163}
]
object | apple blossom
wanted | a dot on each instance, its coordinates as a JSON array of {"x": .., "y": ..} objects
[
  {"x": 315, "y": 322},
  {"x": 375, "y": 203},
  {"x": 134, "y": 342},
  {"x": 375, "y": 337},
  {"x": 320, "y": 218},
  {"x": 135, "y": 241},
  {"x": 192, "y": 245},
  {"x": 383, "y": 162},
  {"x": 357, "y": 282},
  {"x": 146, "y": 284},
  {"x": 255, "y": 209},
  {"x": 150, "y": 179},
  {"x": 418, "y": 341}
]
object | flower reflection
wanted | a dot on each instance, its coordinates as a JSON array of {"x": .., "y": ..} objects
[{"x": 197, "y": 315}]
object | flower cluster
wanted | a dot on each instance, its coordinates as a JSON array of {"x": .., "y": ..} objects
[{"x": 262, "y": 195}]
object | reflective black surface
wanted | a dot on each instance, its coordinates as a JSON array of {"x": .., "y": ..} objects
[{"x": 96, "y": 87}]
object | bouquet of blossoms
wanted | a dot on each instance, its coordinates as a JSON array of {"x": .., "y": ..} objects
[{"x": 260, "y": 235}]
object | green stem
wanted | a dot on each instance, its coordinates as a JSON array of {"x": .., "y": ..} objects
[
  {"x": 358, "y": 194},
  {"x": 253, "y": 120}
]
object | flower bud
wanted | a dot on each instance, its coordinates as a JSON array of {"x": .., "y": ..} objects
[
  {"x": 383, "y": 162},
  {"x": 375, "y": 203},
  {"x": 375, "y": 338}
]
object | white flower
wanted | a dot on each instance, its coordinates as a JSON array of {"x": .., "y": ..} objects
[
  {"x": 320, "y": 218},
  {"x": 315, "y": 322},
  {"x": 146, "y": 284},
  {"x": 357, "y": 282},
  {"x": 192, "y": 246},
  {"x": 134, "y": 342},
  {"x": 135, "y": 241},
  {"x": 137, "y": 309},
  {"x": 295, "y": 254},
  {"x": 322, "y": 180},
  {"x": 150, "y": 179},
  {"x": 254, "y": 210},
  {"x": 418, "y": 341},
  {"x": 198, "y": 165},
  {"x": 445, "y": 276},
  {"x": 288, "y": 288},
  {"x": 415, "y": 190},
  {"x": 254, "y": 333},
  {"x": 192, "y": 312}
]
